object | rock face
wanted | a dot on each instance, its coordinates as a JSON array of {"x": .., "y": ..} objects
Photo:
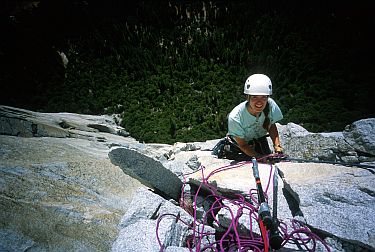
[
  {"x": 147, "y": 208},
  {"x": 342, "y": 195},
  {"x": 360, "y": 136},
  {"x": 79, "y": 183},
  {"x": 58, "y": 189},
  {"x": 337, "y": 202},
  {"x": 354, "y": 145}
]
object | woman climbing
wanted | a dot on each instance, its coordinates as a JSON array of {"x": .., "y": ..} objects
[{"x": 251, "y": 122}]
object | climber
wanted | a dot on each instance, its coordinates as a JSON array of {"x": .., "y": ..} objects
[{"x": 251, "y": 122}]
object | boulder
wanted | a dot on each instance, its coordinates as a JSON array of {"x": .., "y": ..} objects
[
  {"x": 161, "y": 222},
  {"x": 360, "y": 135},
  {"x": 333, "y": 146},
  {"x": 148, "y": 171}
]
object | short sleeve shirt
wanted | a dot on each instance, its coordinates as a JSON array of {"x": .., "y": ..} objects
[{"x": 244, "y": 125}]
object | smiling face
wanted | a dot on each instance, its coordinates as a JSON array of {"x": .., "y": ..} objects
[{"x": 257, "y": 103}]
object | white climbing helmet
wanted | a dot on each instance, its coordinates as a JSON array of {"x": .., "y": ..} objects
[{"x": 258, "y": 84}]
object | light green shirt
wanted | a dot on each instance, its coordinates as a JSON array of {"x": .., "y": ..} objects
[{"x": 244, "y": 125}]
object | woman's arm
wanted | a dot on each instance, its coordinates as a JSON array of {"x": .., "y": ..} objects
[
  {"x": 246, "y": 148},
  {"x": 274, "y": 134}
]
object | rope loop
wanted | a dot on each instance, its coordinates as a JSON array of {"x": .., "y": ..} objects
[{"x": 233, "y": 236}]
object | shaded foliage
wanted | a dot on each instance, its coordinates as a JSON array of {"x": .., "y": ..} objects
[{"x": 175, "y": 69}]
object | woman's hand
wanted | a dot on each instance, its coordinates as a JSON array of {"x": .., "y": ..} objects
[{"x": 278, "y": 149}]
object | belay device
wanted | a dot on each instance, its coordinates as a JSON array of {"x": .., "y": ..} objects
[{"x": 266, "y": 222}]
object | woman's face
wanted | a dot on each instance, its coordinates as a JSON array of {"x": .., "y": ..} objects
[{"x": 257, "y": 103}]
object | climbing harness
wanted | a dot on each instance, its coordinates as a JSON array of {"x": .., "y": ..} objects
[
  {"x": 229, "y": 149},
  {"x": 274, "y": 233}
]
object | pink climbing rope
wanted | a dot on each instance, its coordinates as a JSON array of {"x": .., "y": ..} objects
[{"x": 232, "y": 239}]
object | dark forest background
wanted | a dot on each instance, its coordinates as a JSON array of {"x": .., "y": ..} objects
[{"x": 173, "y": 69}]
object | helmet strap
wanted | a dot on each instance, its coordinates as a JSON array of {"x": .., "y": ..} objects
[
  {"x": 248, "y": 98},
  {"x": 248, "y": 101}
]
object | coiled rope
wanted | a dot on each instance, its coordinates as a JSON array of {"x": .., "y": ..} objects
[{"x": 232, "y": 238}]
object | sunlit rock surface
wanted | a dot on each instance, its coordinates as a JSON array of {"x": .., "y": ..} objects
[{"x": 60, "y": 191}]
